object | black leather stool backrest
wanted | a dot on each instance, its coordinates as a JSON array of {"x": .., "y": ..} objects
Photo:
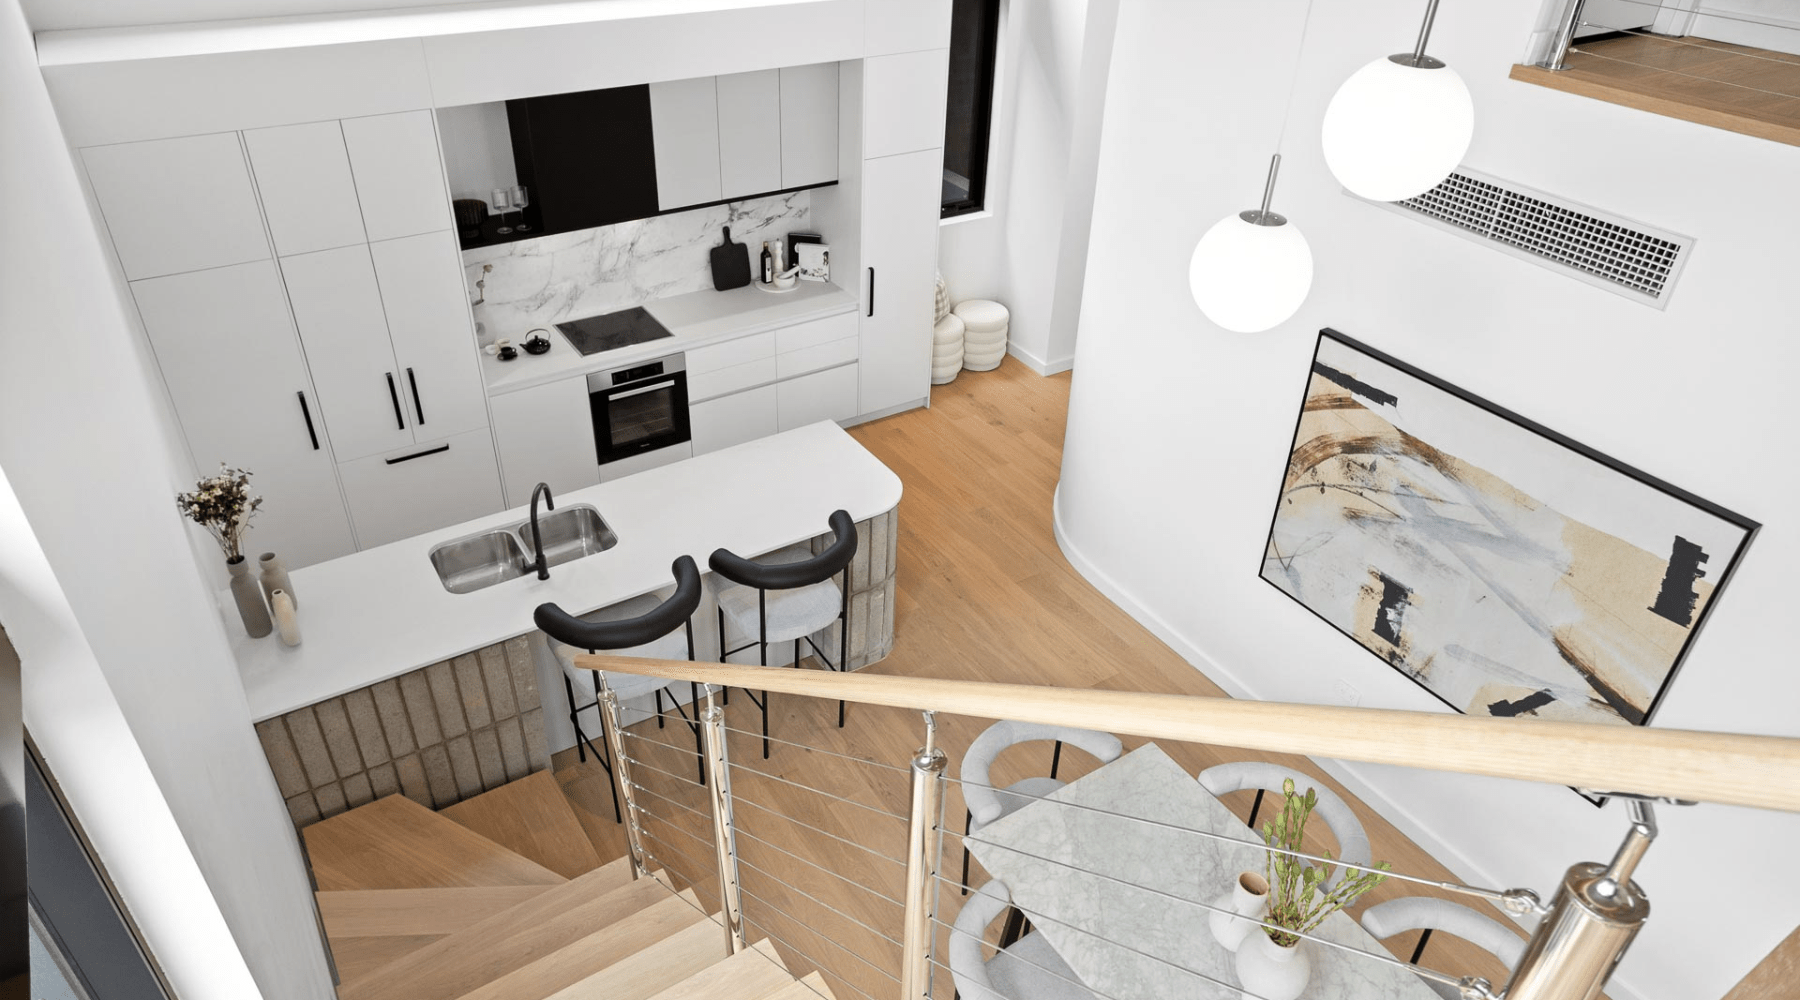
[
  {"x": 786, "y": 576},
  {"x": 647, "y": 627}
]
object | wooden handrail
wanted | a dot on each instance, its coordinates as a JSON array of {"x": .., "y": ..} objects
[{"x": 1730, "y": 768}]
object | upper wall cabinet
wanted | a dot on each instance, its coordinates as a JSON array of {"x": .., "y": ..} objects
[
  {"x": 177, "y": 205},
  {"x": 399, "y": 180},
  {"x": 905, "y": 25},
  {"x": 684, "y": 127},
  {"x": 750, "y": 132},
  {"x": 308, "y": 194},
  {"x": 809, "y": 125},
  {"x": 903, "y": 102}
]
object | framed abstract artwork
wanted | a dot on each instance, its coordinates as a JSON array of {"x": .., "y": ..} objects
[{"x": 1503, "y": 567}]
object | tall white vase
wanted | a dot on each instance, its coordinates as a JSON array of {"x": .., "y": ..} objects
[
  {"x": 1268, "y": 971},
  {"x": 1248, "y": 898}
]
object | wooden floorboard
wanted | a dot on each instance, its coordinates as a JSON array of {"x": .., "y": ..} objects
[{"x": 984, "y": 594}]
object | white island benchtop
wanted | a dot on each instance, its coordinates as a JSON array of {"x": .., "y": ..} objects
[{"x": 382, "y": 612}]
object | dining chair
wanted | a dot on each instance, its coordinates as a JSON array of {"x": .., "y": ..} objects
[
  {"x": 663, "y": 631},
  {"x": 1026, "y": 969},
  {"x": 986, "y": 803},
  {"x": 1353, "y": 843},
  {"x": 1424, "y": 913},
  {"x": 788, "y": 602}
]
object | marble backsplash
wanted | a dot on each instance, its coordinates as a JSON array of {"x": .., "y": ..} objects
[{"x": 571, "y": 275}]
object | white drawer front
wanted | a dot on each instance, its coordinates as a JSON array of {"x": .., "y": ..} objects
[
  {"x": 812, "y": 359},
  {"x": 826, "y": 395},
  {"x": 734, "y": 419},
  {"x": 727, "y": 380},
  {"x": 732, "y": 352},
  {"x": 818, "y": 331},
  {"x": 434, "y": 484}
]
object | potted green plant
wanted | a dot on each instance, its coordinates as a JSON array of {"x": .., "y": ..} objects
[
  {"x": 1272, "y": 964},
  {"x": 223, "y": 505}
]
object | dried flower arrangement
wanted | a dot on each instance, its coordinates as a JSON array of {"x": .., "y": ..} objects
[
  {"x": 1293, "y": 883},
  {"x": 222, "y": 504}
]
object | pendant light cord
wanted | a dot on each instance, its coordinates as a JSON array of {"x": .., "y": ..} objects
[{"x": 1294, "y": 81}]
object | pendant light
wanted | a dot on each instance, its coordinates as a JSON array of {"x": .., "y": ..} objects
[
  {"x": 1251, "y": 271},
  {"x": 1399, "y": 125}
]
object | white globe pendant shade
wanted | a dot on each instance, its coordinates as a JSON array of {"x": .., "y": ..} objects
[
  {"x": 1249, "y": 278},
  {"x": 1395, "y": 130}
]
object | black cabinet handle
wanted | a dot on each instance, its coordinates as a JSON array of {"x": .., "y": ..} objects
[
  {"x": 310, "y": 432},
  {"x": 394, "y": 394},
  {"x": 418, "y": 454},
  {"x": 418, "y": 407},
  {"x": 871, "y": 291}
]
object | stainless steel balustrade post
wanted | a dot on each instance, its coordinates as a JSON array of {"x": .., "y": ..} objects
[
  {"x": 1557, "y": 58},
  {"x": 718, "y": 768},
  {"x": 921, "y": 865},
  {"x": 621, "y": 775}
]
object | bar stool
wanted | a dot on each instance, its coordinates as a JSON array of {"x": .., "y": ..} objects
[
  {"x": 789, "y": 601},
  {"x": 656, "y": 634}
]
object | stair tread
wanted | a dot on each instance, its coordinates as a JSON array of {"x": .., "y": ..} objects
[
  {"x": 395, "y": 843},
  {"x": 633, "y": 975},
  {"x": 511, "y": 939},
  {"x": 357, "y": 957},
  {"x": 532, "y": 818},
  {"x": 751, "y": 974},
  {"x": 350, "y": 913},
  {"x": 809, "y": 987},
  {"x": 601, "y": 950}
]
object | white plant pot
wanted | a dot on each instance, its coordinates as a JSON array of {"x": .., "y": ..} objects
[
  {"x": 1267, "y": 971},
  {"x": 1248, "y": 898}
]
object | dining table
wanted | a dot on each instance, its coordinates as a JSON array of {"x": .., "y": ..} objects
[{"x": 1117, "y": 869}]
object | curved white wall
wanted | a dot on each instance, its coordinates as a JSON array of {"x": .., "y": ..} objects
[{"x": 1178, "y": 431}]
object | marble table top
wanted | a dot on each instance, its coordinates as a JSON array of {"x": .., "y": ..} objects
[{"x": 1127, "y": 939}]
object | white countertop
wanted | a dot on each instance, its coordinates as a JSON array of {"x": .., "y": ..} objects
[
  {"x": 696, "y": 319},
  {"x": 381, "y": 612}
]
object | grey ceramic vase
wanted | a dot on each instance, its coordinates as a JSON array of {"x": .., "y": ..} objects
[
  {"x": 252, "y": 608},
  {"x": 275, "y": 577}
]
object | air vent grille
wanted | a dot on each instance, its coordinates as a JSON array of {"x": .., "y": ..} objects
[{"x": 1624, "y": 256}]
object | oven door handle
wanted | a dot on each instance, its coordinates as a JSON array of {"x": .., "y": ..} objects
[{"x": 669, "y": 384}]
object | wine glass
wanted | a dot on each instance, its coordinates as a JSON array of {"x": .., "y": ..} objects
[
  {"x": 502, "y": 204},
  {"x": 520, "y": 200}
]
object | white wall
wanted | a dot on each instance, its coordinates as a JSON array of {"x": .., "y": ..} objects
[
  {"x": 90, "y": 451},
  {"x": 1049, "y": 86},
  {"x": 1178, "y": 431}
]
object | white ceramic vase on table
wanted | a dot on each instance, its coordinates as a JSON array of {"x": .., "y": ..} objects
[
  {"x": 1248, "y": 900},
  {"x": 1268, "y": 971}
]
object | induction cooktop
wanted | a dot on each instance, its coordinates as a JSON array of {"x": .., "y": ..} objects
[{"x": 613, "y": 330}]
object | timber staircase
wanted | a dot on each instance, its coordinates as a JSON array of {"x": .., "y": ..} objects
[{"x": 503, "y": 897}]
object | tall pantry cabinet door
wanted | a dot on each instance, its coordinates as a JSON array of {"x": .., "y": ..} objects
[
  {"x": 905, "y": 25},
  {"x": 684, "y": 131},
  {"x": 809, "y": 124},
  {"x": 750, "y": 133},
  {"x": 434, "y": 346},
  {"x": 176, "y": 205},
  {"x": 338, "y": 307},
  {"x": 903, "y": 102},
  {"x": 399, "y": 180},
  {"x": 227, "y": 351},
  {"x": 303, "y": 174},
  {"x": 901, "y": 195}
]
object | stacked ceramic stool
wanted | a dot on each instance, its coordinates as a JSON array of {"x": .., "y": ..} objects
[
  {"x": 946, "y": 340},
  {"x": 984, "y": 333}
]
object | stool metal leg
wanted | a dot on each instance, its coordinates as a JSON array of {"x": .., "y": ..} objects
[
  {"x": 580, "y": 750},
  {"x": 968, "y": 821},
  {"x": 843, "y": 663},
  {"x": 659, "y": 708},
  {"x": 762, "y": 649}
]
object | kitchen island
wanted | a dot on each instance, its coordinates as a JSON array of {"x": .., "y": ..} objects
[{"x": 400, "y": 685}]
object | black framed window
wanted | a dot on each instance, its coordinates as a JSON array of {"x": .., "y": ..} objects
[{"x": 974, "y": 36}]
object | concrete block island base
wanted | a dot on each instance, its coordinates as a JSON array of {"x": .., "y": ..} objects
[{"x": 402, "y": 686}]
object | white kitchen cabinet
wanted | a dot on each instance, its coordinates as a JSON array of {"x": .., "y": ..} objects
[
  {"x": 337, "y": 305},
  {"x": 421, "y": 285},
  {"x": 684, "y": 129},
  {"x": 226, "y": 347},
  {"x": 177, "y": 205},
  {"x": 399, "y": 179},
  {"x": 809, "y": 124},
  {"x": 750, "y": 133},
  {"x": 545, "y": 434},
  {"x": 429, "y": 485},
  {"x": 905, "y": 25},
  {"x": 901, "y": 195},
  {"x": 831, "y": 394},
  {"x": 308, "y": 195},
  {"x": 728, "y": 420},
  {"x": 903, "y": 102}
]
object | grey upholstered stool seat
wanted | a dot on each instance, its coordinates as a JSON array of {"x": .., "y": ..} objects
[
  {"x": 1353, "y": 843},
  {"x": 1026, "y": 969},
  {"x": 673, "y": 646},
  {"x": 987, "y": 803},
  {"x": 1425, "y": 913},
  {"x": 792, "y": 613}
]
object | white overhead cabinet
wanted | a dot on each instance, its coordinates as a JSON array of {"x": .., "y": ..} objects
[
  {"x": 545, "y": 435},
  {"x": 900, "y": 200},
  {"x": 177, "y": 205},
  {"x": 809, "y": 125},
  {"x": 903, "y": 102},
  {"x": 226, "y": 347},
  {"x": 905, "y": 25},
  {"x": 399, "y": 179},
  {"x": 684, "y": 127},
  {"x": 750, "y": 133},
  {"x": 308, "y": 194}
]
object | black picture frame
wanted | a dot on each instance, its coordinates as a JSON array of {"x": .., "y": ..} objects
[{"x": 1365, "y": 393}]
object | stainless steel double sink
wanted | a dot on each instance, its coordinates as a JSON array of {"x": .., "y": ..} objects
[{"x": 497, "y": 555}]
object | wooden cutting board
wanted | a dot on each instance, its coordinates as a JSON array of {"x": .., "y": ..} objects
[{"x": 730, "y": 264}]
